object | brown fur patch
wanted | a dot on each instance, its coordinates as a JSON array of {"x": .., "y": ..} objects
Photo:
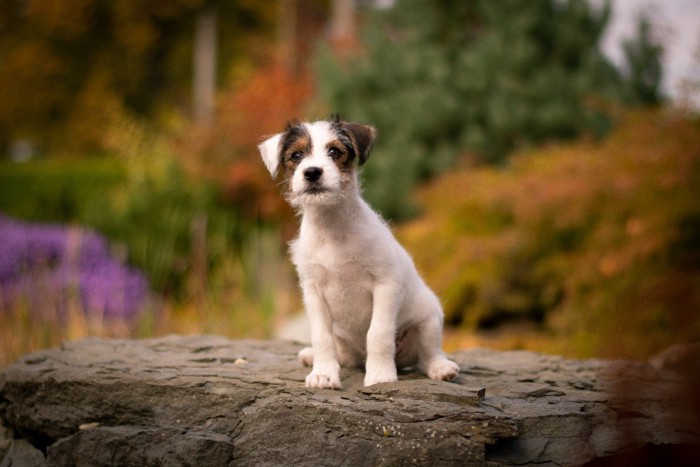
[
  {"x": 359, "y": 139},
  {"x": 296, "y": 144},
  {"x": 342, "y": 155}
]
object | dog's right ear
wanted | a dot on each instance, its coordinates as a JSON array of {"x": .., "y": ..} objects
[{"x": 270, "y": 152}]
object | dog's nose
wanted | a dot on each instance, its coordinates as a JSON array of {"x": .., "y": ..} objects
[{"x": 312, "y": 174}]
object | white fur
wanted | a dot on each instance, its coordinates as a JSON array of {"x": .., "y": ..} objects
[
  {"x": 360, "y": 287},
  {"x": 269, "y": 151}
]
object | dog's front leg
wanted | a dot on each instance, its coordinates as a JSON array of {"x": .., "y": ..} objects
[
  {"x": 326, "y": 370},
  {"x": 381, "y": 336}
]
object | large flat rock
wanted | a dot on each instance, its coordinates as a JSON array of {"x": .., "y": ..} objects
[{"x": 213, "y": 401}]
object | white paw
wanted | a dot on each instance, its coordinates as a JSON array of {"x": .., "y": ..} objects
[
  {"x": 370, "y": 380},
  {"x": 306, "y": 356},
  {"x": 443, "y": 370},
  {"x": 322, "y": 381},
  {"x": 380, "y": 375}
]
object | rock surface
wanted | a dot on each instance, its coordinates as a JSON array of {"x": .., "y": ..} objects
[{"x": 212, "y": 401}]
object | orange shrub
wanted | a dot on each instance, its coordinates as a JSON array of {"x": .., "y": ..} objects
[
  {"x": 596, "y": 243},
  {"x": 227, "y": 150}
]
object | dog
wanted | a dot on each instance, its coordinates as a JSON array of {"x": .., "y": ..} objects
[{"x": 361, "y": 291}]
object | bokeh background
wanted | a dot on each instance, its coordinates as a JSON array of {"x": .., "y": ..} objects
[{"x": 540, "y": 161}]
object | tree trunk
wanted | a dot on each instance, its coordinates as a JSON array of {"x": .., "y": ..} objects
[
  {"x": 204, "y": 82},
  {"x": 287, "y": 34},
  {"x": 343, "y": 20}
]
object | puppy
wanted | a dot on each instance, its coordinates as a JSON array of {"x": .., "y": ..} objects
[{"x": 362, "y": 293}]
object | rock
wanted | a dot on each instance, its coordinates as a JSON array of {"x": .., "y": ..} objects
[
  {"x": 212, "y": 401},
  {"x": 23, "y": 454}
]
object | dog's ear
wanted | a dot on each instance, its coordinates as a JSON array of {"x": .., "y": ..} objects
[
  {"x": 362, "y": 138},
  {"x": 270, "y": 152}
]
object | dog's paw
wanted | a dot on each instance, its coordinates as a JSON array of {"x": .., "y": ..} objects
[
  {"x": 380, "y": 375},
  {"x": 370, "y": 380},
  {"x": 443, "y": 369},
  {"x": 380, "y": 371},
  {"x": 322, "y": 381},
  {"x": 306, "y": 356}
]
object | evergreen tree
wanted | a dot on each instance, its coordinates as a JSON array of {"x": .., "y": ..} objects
[
  {"x": 445, "y": 77},
  {"x": 643, "y": 70}
]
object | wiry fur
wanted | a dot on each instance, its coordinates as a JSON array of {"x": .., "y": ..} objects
[{"x": 364, "y": 298}]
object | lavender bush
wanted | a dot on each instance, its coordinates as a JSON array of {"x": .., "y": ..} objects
[{"x": 50, "y": 268}]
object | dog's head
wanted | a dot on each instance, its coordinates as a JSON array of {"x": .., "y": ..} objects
[{"x": 319, "y": 159}]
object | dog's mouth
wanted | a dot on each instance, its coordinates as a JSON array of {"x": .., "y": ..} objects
[
  {"x": 315, "y": 194},
  {"x": 315, "y": 189}
]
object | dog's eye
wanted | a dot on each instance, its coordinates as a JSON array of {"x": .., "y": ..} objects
[
  {"x": 296, "y": 156},
  {"x": 334, "y": 153}
]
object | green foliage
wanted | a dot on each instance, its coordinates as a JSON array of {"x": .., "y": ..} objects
[
  {"x": 57, "y": 190},
  {"x": 200, "y": 254},
  {"x": 441, "y": 78},
  {"x": 154, "y": 216},
  {"x": 598, "y": 244}
]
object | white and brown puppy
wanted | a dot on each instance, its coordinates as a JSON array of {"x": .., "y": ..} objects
[{"x": 364, "y": 298}]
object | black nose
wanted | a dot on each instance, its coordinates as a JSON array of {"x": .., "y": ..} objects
[{"x": 312, "y": 174}]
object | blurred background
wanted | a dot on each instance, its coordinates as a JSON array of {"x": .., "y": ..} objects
[{"x": 540, "y": 161}]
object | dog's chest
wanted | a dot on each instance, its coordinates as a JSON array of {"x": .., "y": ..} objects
[
  {"x": 339, "y": 268},
  {"x": 326, "y": 259}
]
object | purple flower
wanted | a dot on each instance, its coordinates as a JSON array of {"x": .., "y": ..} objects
[
  {"x": 23, "y": 246},
  {"x": 48, "y": 266},
  {"x": 112, "y": 289}
]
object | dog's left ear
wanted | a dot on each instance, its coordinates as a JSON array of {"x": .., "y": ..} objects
[
  {"x": 362, "y": 138},
  {"x": 270, "y": 152}
]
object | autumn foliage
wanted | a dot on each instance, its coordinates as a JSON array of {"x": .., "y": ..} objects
[
  {"x": 596, "y": 245},
  {"x": 227, "y": 150},
  {"x": 71, "y": 69}
]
